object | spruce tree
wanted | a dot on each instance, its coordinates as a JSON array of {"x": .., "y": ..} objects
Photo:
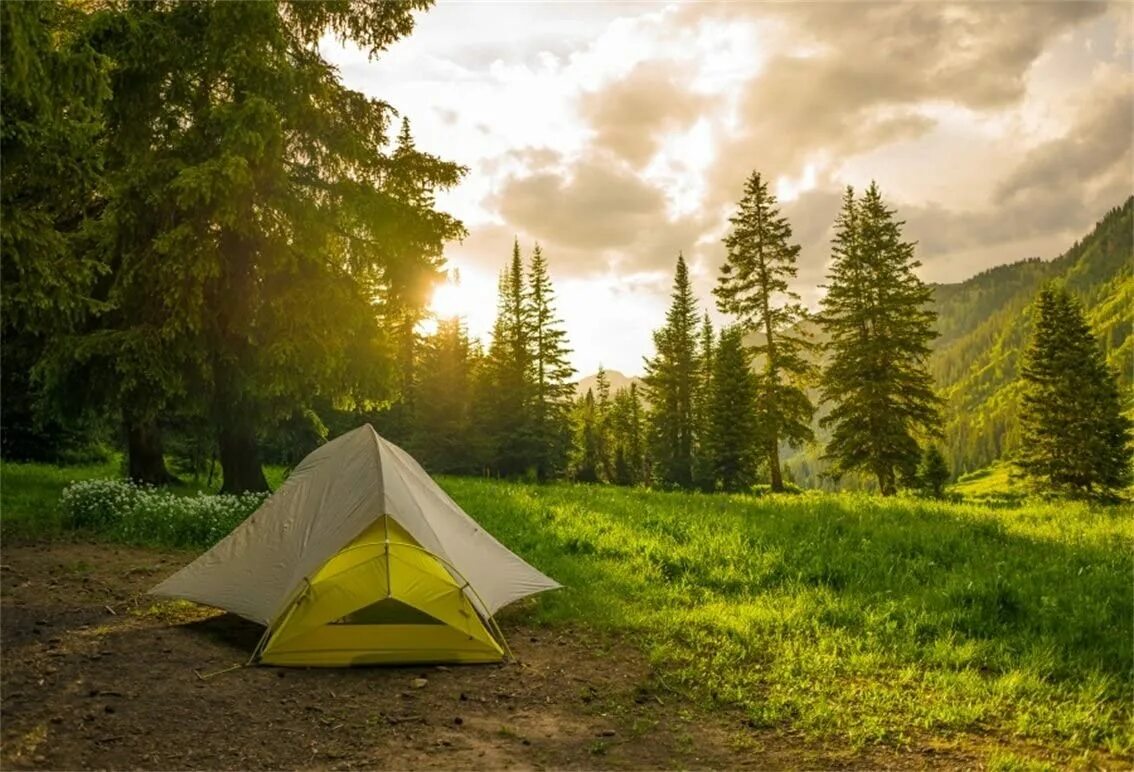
[
  {"x": 638, "y": 447},
  {"x": 621, "y": 468},
  {"x": 754, "y": 286},
  {"x": 551, "y": 372},
  {"x": 505, "y": 391},
  {"x": 53, "y": 89},
  {"x": 629, "y": 462},
  {"x": 443, "y": 429},
  {"x": 879, "y": 323},
  {"x": 54, "y": 86},
  {"x": 265, "y": 235},
  {"x": 702, "y": 468},
  {"x": 1075, "y": 437},
  {"x": 933, "y": 473},
  {"x": 731, "y": 444},
  {"x": 671, "y": 386},
  {"x": 602, "y": 428},
  {"x": 585, "y": 461}
]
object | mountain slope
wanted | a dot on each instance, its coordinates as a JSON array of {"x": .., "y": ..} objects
[{"x": 985, "y": 324}]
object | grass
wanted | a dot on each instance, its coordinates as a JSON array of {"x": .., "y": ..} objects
[
  {"x": 998, "y": 481},
  {"x": 839, "y": 616},
  {"x": 29, "y": 496},
  {"x": 849, "y": 616}
]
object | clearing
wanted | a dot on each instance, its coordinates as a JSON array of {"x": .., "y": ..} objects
[{"x": 98, "y": 675}]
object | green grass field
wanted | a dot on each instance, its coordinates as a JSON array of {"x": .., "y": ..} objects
[
  {"x": 843, "y": 617},
  {"x": 998, "y": 481}
]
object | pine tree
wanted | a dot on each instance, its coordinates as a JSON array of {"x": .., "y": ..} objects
[
  {"x": 585, "y": 461},
  {"x": 671, "y": 384},
  {"x": 505, "y": 392},
  {"x": 627, "y": 434},
  {"x": 731, "y": 444},
  {"x": 551, "y": 388},
  {"x": 877, "y": 317},
  {"x": 443, "y": 430},
  {"x": 602, "y": 415},
  {"x": 1075, "y": 437},
  {"x": 754, "y": 286},
  {"x": 933, "y": 473},
  {"x": 702, "y": 468}
]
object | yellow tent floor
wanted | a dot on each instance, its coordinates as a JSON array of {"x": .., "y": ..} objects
[{"x": 381, "y": 600}]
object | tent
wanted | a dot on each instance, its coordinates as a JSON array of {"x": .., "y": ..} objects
[{"x": 359, "y": 559}]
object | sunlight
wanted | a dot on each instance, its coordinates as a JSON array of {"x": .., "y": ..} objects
[
  {"x": 468, "y": 294},
  {"x": 449, "y": 300}
]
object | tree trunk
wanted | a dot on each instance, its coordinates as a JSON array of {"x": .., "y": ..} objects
[
  {"x": 886, "y": 482},
  {"x": 240, "y": 457},
  {"x": 774, "y": 465},
  {"x": 145, "y": 459},
  {"x": 238, "y": 449}
]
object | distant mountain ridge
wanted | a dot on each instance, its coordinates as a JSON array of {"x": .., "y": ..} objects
[{"x": 617, "y": 381}]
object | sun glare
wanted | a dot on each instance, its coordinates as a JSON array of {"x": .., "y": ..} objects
[{"x": 448, "y": 301}]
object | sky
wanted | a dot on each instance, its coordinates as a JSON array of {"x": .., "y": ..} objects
[{"x": 618, "y": 134}]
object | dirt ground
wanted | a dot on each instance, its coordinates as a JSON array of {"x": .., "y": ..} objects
[{"x": 95, "y": 674}]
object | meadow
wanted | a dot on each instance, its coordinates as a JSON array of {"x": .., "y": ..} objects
[{"x": 841, "y": 617}]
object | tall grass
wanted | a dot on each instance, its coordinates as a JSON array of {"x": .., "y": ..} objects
[{"x": 853, "y": 616}]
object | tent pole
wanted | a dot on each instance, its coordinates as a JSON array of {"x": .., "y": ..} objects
[
  {"x": 304, "y": 586},
  {"x": 389, "y": 581}
]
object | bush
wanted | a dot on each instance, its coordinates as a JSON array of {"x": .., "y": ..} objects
[
  {"x": 98, "y": 504},
  {"x": 144, "y": 515}
]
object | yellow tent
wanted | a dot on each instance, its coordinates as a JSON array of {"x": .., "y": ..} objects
[{"x": 361, "y": 559}]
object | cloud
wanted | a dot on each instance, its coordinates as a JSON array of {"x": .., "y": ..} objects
[
  {"x": 631, "y": 115},
  {"x": 1098, "y": 143},
  {"x": 447, "y": 116},
  {"x": 1051, "y": 196},
  {"x": 596, "y": 214},
  {"x": 599, "y": 205},
  {"x": 857, "y": 75}
]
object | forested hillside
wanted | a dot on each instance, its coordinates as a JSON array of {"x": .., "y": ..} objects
[{"x": 984, "y": 324}]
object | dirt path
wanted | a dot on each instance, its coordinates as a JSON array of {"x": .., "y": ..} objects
[{"x": 96, "y": 674}]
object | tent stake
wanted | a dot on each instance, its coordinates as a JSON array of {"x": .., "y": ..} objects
[{"x": 207, "y": 676}]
